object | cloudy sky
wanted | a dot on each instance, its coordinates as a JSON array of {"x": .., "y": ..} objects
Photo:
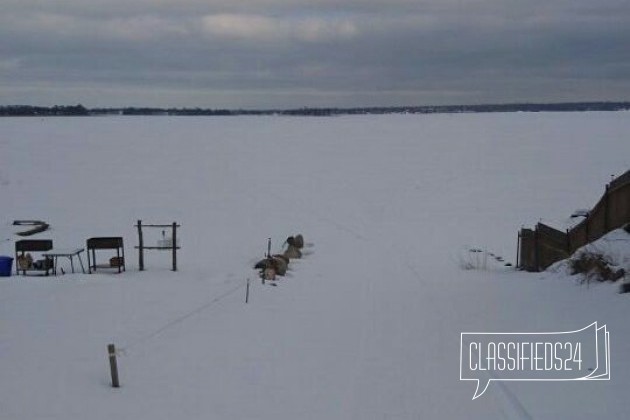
[{"x": 293, "y": 53}]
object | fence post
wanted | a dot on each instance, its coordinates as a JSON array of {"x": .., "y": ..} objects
[
  {"x": 247, "y": 292},
  {"x": 518, "y": 249},
  {"x": 536, "y": 250},
  {"x": 113, "y": 365},
  {"x": 586, "y": 222},
  {"x": 606, "y": 210},
  {"x": 140, "y": 247},
  {"x": 174, "y": 244}
]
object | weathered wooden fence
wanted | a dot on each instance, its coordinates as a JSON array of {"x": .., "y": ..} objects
[{"x": 542, "y": 246}]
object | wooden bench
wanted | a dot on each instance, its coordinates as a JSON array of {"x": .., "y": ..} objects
[
  {"x": 108, "y": 243},
  {"x": 33, "y": 245}
]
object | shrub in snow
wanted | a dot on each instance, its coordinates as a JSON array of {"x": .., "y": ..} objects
[
  {"x": 595, "y": 266},
  {"x": 472, "y": 259},
  {"x": 606, "y": 259}
]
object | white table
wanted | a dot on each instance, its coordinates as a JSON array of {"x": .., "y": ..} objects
[{"x": 69, "y": 253}]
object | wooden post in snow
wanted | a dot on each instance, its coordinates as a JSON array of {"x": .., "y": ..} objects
[
  {"x": 140, "y": 247},
  {"x": 174, "y": 244},
  {"x": 113, "y": 365}
]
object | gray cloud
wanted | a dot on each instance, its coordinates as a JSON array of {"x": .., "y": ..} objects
[{"x": 278, "y": 53}]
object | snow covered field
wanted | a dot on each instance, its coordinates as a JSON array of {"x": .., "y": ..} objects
[{"x": 366, "y": 326}]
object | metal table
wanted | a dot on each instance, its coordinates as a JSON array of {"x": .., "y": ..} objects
[{"x": 68, "y": 253}]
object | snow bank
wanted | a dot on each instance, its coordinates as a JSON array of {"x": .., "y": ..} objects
[{"x": 614, "y": 248}]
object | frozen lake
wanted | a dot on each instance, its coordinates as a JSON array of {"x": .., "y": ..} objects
[{"x": 366, "y": 326}]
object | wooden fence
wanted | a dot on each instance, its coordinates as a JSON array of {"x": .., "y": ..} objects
[{"x": 542, "y": 246}]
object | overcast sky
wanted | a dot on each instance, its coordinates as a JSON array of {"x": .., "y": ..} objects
[{"x": 293, "y": 53}]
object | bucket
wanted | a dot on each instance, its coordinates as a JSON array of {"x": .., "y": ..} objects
[{"x": 5, "y": 266}]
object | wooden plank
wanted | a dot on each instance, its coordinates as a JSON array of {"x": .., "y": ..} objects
[
  {"x": 105, "y": 243},
  {"x": 158, "y": 226},
  {"x": 34, "y": 245},
  {"x": 163, "y": 248}
]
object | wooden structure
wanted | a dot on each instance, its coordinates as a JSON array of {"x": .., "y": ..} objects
[
  {"x": 33, "y": 245},
  {"x": 165, "y": 245},
  {"x": 542, "y": 246},
  {"x": 109, "y": 243}
]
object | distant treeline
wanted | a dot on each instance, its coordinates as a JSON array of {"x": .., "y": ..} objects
[
  {"x": 80, "y": 110},
  {"x": 36, "y": 111}
]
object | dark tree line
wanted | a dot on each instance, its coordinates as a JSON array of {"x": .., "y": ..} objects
[
  {"x": 76, "y": 110},
  {"x": 39, "y": 111}
]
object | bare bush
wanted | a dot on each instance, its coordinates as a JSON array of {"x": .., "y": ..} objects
[{"x": 595, "y": 267}]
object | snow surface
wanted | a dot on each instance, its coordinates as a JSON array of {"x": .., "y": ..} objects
[{"x": 366, "y": 326}]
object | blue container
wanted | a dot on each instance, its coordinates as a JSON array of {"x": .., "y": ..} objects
[{"x": 6, "y": 263}]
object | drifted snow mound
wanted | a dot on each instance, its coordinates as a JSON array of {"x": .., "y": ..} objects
[{"x": 611, "y": 252}]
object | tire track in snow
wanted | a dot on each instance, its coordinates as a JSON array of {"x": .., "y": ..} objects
[
  {"x": 519, "y": 409},
  {"x": 514, "y": 406},
  {"x": 342, "y": 227},
  {"x": 180, "y": 319}
]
